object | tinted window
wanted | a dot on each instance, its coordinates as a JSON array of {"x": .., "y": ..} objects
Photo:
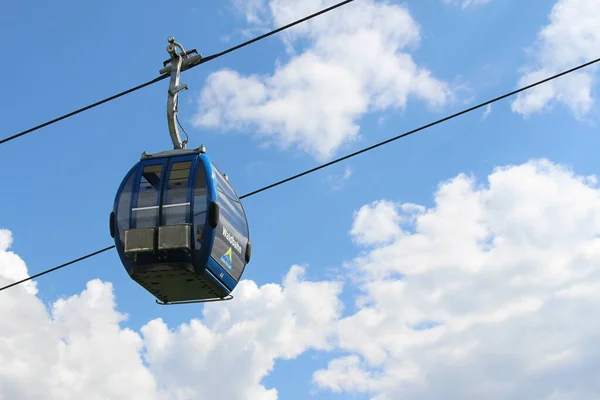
[
  {"x": 224, "y": 186},
  {"x": 231, "y": 205},
  {"x": 176, "y": 208},
  {"x": 232, "y": 232},
  {"x": 200, "y": 203},
  {"x": 145, "y": 212},
  {"x": 124, "y": 206}
]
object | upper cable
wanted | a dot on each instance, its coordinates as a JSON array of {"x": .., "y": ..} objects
[{"x": 164, "y": 75}]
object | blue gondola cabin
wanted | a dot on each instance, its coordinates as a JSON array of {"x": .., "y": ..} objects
[{"x": 179, "y": 227}]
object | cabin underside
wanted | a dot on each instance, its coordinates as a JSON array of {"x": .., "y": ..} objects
[{"x": 169, "y": 283}]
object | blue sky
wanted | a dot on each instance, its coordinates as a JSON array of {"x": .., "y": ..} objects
[{"x": 59, "y": 182}]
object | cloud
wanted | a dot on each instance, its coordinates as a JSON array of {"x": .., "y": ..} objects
[
  {"x": 74, "y": 350},
  {"x": 336, "y": 181},
  {"x": 376, "y": 223},
  {"x": 18, "y": 269},
  {"x": 240, "y": 341},
  {"x": 487, "y": 112},
  {"x": 570, "y": 38},
  {"x": 253, "y": 10},
  {"x": 352, "y": 61},
  {"x": 77, "y": 347},
  {"x": 491, "y": 293},
  {"x": 467, "y": 3}
]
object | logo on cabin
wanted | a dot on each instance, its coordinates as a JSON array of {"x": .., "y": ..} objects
[
  {"x": 232, "y": 240},
  {"x": 226, "y": 258}
]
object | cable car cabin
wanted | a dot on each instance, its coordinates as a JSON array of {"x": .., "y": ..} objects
[{"x": 180, "y": 229}]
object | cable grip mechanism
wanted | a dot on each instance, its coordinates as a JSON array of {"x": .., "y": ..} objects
[{"x": 174, "y": 88}]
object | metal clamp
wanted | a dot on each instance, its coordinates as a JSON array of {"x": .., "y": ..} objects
[{"x": 173, "y": 93}]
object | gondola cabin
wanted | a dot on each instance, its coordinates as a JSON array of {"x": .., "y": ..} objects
[{"x": 179, "y": 227}]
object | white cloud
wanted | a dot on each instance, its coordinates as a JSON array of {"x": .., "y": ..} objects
[
  {"x": 356, "y": 61},
  {"x": 6, "y": 239},
  {"x": 570, "y": 38},
  {"x": 498, "y": 297},
  {"x": 336, "y": 181},
  {"x": 77, "y": 348},
  {"x": 467, "y": 3},
  {"x": 376, "y": 223},
  {"x": 487, "y": 112},
  {"x": 253, "y": 10},
  {"x": 240, "y": 340},
  {"x": 509, "y": 272},
  {"x": 347, "y": 173},
  {"x": 18, "y": 269}
]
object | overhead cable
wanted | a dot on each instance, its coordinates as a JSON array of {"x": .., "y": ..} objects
[
  {"x": 166, "y": 75},
  {"x": 439, "y": 121},
  {"x": 291, "y": 178},
  {"x": 58, "y": 267}
]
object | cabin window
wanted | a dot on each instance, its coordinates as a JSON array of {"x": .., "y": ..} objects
[
  {"x": 176, "y": 206},
  {"x": 200, "y": 204},
  {"x": 124, "y": 206},
  {"x": 231, "y": 206},
  {"x": 146, "y": 210},
  {"x": 230, "y": 242}
]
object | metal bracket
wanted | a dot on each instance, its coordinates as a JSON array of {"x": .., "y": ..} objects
[
  {"x": 171, "y": 303},
  {"x": 191, "y": 58},
  {"x": 173, "y": 93}
]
